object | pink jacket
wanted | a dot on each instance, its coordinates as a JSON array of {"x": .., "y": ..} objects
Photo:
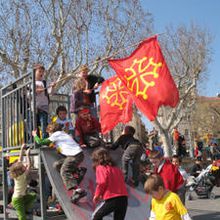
[{"x": 110, "y": 182}]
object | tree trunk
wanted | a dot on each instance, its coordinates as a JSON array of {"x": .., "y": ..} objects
[{"x": 165, "y": 138}]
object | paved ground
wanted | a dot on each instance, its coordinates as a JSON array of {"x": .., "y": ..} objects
[
  {"x": 200, "y": 208},
  {"x": 205, "y": 209}
]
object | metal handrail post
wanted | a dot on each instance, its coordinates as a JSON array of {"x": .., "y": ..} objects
[
  {"x": 34, "y": 122},
  {"x": 43, "y": 202},
  {"x": 4, "y": 165}
]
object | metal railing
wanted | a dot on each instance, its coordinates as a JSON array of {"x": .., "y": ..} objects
[
  {"x": 18, "y": 121},
  {"x": 18, "y": 112}
]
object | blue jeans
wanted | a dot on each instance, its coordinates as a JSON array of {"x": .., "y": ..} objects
[{"x": 42, "y": 122}]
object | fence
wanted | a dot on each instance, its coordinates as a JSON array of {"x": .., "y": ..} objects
[{"x": 18, "y": 120}]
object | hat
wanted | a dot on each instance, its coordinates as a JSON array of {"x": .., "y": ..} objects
[
  {"x": 84, "y": 68},
  {"x": 160, "y": 149},
  {"x": 155, "y": 154},
  {"x": 84, "y": 110},
  {"x": 38, "y": 66}
]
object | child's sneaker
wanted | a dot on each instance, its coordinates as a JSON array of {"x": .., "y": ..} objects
[
  {"x": 78, "y": 195},
  {"x": 59, "y": 208}
]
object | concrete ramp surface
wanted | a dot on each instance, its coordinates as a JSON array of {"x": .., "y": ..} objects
[{"x": 138, "y": 202}]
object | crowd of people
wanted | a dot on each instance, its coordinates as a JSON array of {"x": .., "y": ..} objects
[{"x": 166, "y": 182}]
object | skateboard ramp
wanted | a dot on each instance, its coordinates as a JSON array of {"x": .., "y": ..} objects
[{"x": 138, "y": 202}]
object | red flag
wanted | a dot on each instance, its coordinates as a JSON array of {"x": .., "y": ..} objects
[
  {"x": 115, "y": 104},
  {"x": 146, "y": 75}
]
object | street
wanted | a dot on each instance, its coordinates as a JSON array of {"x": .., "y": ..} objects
[
  {"x": 203, "y": 208},
  {"x": 200, "y": 208}
]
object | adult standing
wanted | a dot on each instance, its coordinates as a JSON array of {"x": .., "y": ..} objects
[{"x": 176, "y": 136}]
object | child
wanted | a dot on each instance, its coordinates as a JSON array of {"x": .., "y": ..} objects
[
  {"x": 62, "y": 119},
  {"x": 42, "y": 98},
  {"x": 132, "y": 152},
  {"x": 79, "y": 98},
  {"x": 71, "y": 155},
  {"x": 176, "y": 162},
  {"x": 170, "y": 174},
  {"x": 92, "y": 83},
  {"x": 165, "y": 204},
  {"x": 110, "y": 187},
  {"x": 21, "y": 200},
  {"x": 87, "y": 129}
]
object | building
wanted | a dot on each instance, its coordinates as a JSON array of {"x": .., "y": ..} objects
[{"x": 203, "y": 122}]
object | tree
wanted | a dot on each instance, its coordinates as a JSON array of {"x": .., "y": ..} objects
[
  {"x": 63, "y": 34},
  {"x": 206, "y": 117},
  {"x": 187, "y": 52}
]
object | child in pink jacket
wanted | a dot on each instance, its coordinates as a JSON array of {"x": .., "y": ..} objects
[{"x": 110, "y": 189}]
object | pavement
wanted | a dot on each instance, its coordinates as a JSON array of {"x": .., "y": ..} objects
[
  {"x": 199, "y": 208},
  {"x": 204, "y": 208}
]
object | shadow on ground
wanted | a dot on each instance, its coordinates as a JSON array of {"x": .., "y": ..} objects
[{"x": 206, "y": 216}]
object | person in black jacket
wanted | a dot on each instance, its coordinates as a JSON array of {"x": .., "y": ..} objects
[
  {"x": 132, "y": 152},
  {"x": 92, "y": 83}
]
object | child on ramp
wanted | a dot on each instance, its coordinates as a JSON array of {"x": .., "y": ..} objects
[
  {"x": 111, "y": 189},
  {"x": 21, "y": 200},
  {"x": 71, "y": 155}
]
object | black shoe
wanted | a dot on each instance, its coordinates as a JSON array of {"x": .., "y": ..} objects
[
  {"x": 81, "y": 171},
  {"x": 78, "y": 195}
]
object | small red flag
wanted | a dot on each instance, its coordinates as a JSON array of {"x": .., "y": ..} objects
[
  {"x": 146, "y": 75},
  {"x": 115, "y": 104}
]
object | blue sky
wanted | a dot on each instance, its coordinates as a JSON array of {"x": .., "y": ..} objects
[{"x": 205, "y": 13}]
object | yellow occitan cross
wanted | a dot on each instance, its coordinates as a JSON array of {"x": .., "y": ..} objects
[
  {"x": 115, "y": 94},
  {"x": 143, "y": 71}
]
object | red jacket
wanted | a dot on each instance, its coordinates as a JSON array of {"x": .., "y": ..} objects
[
  {"x": 171, "y": 176},
  {"x": 86, "y": 127},
  {"x": 109, "y": 182}
]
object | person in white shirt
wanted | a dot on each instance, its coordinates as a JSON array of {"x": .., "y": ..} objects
[
  {"x": 42, "y": 98},
  {"x": 71, "y": 156},
  {"x": 62, "y": 119}
]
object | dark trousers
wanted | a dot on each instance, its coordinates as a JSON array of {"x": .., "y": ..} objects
[
  {"x": 68, "y": 167},
  {"x": 117, "y": 205},
  {"x": 181, "y": 192},
  {"x": 132, "y": 153}
]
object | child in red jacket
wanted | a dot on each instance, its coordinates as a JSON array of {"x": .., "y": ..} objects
[
  {"x": 111, "y": 188},
  {"x": 170, "y": 174},
  {"x": 87, "y": 129}
]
